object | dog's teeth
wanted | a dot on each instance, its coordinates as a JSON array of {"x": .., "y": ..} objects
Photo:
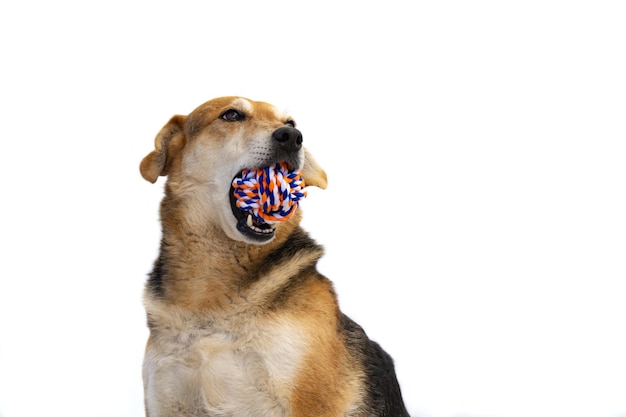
[{"x": 250, "y": 224}]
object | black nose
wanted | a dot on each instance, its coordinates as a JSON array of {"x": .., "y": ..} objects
[{"x": 289, "y": 138}]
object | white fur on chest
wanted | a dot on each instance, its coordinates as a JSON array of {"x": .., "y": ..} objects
[{"x": 196, "y": 371}]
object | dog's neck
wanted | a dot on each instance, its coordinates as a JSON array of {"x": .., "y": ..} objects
[{"x": 215, "y": 273}]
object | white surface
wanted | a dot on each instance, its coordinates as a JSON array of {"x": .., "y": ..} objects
[{"x": 474, "y": 222}]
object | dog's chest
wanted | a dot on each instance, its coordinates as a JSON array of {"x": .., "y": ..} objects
[{"x": 200, "y": 370}]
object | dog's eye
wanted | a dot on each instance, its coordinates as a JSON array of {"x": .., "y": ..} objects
[
  {"x": 232, "y": 115},
  {"x": 290, "y": 123}
]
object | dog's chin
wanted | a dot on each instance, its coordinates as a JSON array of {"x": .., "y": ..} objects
[{"x": 251, "y": 229}]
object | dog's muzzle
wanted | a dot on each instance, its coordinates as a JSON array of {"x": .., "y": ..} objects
[{"x": 287, "y": 147}]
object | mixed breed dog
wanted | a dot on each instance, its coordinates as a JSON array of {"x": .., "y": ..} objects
[{"x": 241, "y": 322}]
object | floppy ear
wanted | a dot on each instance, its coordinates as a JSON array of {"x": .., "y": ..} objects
[
  {"x": 168, "y": 142},
  {"x": 312, "y": 172}
]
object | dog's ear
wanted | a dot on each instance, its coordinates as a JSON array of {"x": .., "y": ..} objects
[
  {"x": 167, "y": 144},
  {"x": 312, "y": 172}
]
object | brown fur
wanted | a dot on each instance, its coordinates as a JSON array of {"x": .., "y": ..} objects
[{"x": 239, "y": 327}]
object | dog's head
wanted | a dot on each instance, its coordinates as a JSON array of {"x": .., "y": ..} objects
[{"x": 201, "y": 154}]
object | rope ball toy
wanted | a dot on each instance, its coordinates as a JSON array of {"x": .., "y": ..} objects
[{"x": 271, "y": 194}]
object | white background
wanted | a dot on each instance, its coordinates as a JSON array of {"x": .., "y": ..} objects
[{"x": 475, "y": 221}]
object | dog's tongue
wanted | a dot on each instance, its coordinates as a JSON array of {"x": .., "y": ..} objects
[{"x": 271, "y": 194}]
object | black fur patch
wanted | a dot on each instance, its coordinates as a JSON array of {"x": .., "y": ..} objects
[
  {"x": 384, "y": 395},
  {"x": 155, "y": 278}
]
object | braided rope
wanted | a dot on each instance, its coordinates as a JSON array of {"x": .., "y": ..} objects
[{"x": 271, "y": 194}]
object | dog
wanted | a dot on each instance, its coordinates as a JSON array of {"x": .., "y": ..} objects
[{"x": 241, "y": 322}]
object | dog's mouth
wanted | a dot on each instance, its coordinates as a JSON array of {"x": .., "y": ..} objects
[{"x": 249, "y": 225}]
